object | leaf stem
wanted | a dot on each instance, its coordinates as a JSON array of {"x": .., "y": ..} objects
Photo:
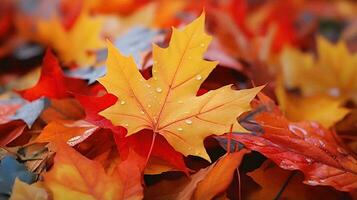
[
  {"x": 285, "y": 185},
  {"x": 151, "y": 148}
]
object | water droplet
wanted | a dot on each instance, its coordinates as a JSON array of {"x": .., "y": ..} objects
[
  {"x": 155, "y": 78},
  {"x": 198, "y": 77},
  {"x": 142, "y": 112},
  {"x": 149, "y": 106},
  {"x": 153, "y": 71},
  {"x": 126, "y": 124},
  {"x": 312, "y": 182},
  {"x": 189, "y": 148},
  {"x": 286, "y": 164},
  {"x": 300, "y": 132},
  {"x": 342, "y": 151},
  {"x": 188, "y": 121},
  {"x": 259, "y": 144},
  {"x": 74, "y": 138},
  {"x": 155, "y": 61},
  {"x": 308, "y": 160},
  {"x": 122, "y": 102},
  {"x": 148, "y": 85},
  {"x": 202, "y": 44},
  {"x": 179, "y": 129},
  {"x": 158, "y": 90},
  {"x": 180, "y": 102}
]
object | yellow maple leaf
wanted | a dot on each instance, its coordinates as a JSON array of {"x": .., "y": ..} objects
[
  {"x": 332, "y": 73},
  {"x": 167, "y": 102},
  {"x": 320, "y": 108},
  {"x": 73, "y": 45}
]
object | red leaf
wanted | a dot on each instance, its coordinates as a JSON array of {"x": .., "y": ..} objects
[
  {"x": 141, "y": 143},
  {"x": 52, "y": 82},
  {"x": 304, "y": 146},
  {"x": 10, "y": 131},
  {"x": 93, "y": 105}
]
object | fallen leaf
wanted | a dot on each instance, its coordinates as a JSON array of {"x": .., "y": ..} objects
[
  {"x": 335, "y": 67},
  {"x": 70, "y": 132},
  {"x": 298, "y": 108},
  {"x": 304, "y": 146},
  {"x": 24, "y": 191},
  {"x": 141, "y": 144},
  {"x": 134, "y": 42},
  {"x": 204, "y": 184},
  {"x": 10, "y": 131},
  {"x": 52, "y": 82},
  {"x": 10, "y": 169},
  {"x": 178, "y": 72},
  {"x": 219, "y": 178},
  {"x": 289, "y": 183},
  {"x": 29, "y": 112},
  {"x": 73, "y": 45},
  {"x": 75, "y": 176},
  {"x": 63, "y": 109}
]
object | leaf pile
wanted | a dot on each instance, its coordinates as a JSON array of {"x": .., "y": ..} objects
[{"x": 240, "y": 99}]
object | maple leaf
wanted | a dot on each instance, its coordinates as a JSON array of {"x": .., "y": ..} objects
[
  {"x": 73, "y": 45},
  {"x": 167, "y": 102},
  {"x": 335, "y": 66},
  {"x": 299, "y": 108},
  {"x": 140, "y": 143},
  {"x": 73, "y": 176},
  {"x": 305, "y": 146},
  {"x": 52, "y": 82}
]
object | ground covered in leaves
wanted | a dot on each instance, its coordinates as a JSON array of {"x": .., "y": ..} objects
[{"x": 236, "y": 99}]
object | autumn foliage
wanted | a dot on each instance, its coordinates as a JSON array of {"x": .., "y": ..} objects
[{"x": 158, "y": 99}]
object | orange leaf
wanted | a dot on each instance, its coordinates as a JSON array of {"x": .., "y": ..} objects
[{"x": 73, "y": 176}]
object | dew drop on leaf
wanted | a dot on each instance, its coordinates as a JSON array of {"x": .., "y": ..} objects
[
  {"x": 188, "y": 121},
  {"x": 158, "y": 90},
  {"x": 342, "y": 151}
]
